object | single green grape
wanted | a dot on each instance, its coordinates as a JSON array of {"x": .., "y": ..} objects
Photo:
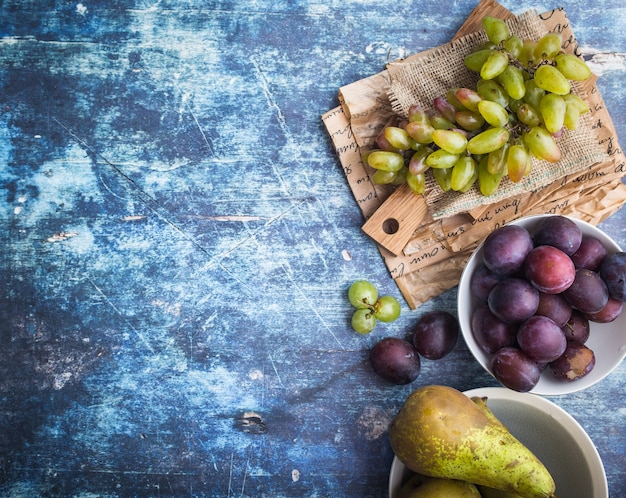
[
  {"x": 512, "y": 79},
  {"x": 385, "y": 160},
  {"x": 363, "y": 321},
  {"x": 514, "y": 45},
  {"x": 548, "y": 46},
  {"x": 441, "y": 158},
  {"x": 421, "y": 131},
  {"x": 542, "y": 145},
  {"x": 462, "y": 172},
  {"x": 489, "y": 140},
  {"x": 387, "y": 309},
  {"x": 533, "y": 94},
  {"x": 529, "y": 114},
  {"x": 416, "y": 182},
  {"x": 571, "y": 117},
  {"x": 493, "y": 113},
  {"x": 496, "y": 160},
  {"x": 383, "y": 144},
  {"x": 445, "y": 108},
  {"x": 451, "y": 141},
  {"x": 572, "y": 67},
  {"x": 382, "y": 177},
  {"x": 494, "y": 65},
  {"x": 398, "y": 137},
  {"x": 362, "y": 294},
  {"x": 550, "y": 79},
  {"x": 529, "y": 163},
  {"x": 468, "y": 98},
  {"x": 469, "y": 120},
  {"x": 470, "y": 183},
  {"x": 417, "y": 163},
  {"x": 488, "y": 183},
  {"x": 526, "y": 56},
  {"x": 517, "y": 160},
  {"x": 514, "y": 105},
  {"x": 443, "y": 176},
  {"x": 492, "y": 90},
  {"x": 417, "y": 114},
  {"x": 496, "y": 29},
  {"x": 440, "y": 122},
  {"x": 552, "y": 109}
]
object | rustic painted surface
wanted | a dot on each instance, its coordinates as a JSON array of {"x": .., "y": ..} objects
[{"x": 178, "y": 238}]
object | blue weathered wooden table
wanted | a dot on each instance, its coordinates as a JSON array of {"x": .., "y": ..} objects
[{"x": 178, "y": 238}]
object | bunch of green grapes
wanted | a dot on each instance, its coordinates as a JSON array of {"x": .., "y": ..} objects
[
  {"x": 520, "y": 106},
  {"x": 370, "y": 308}
]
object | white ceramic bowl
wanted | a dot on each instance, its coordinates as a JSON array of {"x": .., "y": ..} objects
[
  {"x": 607, "y": 340},
  {"x": 550, "y": 433}
]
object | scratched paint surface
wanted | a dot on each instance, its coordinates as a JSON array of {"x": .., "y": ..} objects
[{"x": 179, "y": 238}]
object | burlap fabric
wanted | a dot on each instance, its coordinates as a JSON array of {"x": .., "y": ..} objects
[{"x": 432, "y": 75}]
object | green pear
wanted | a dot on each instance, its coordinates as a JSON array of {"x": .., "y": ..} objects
[
  {"x": 419, "y": 486},
  {"x": 440, "y": 432}
]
